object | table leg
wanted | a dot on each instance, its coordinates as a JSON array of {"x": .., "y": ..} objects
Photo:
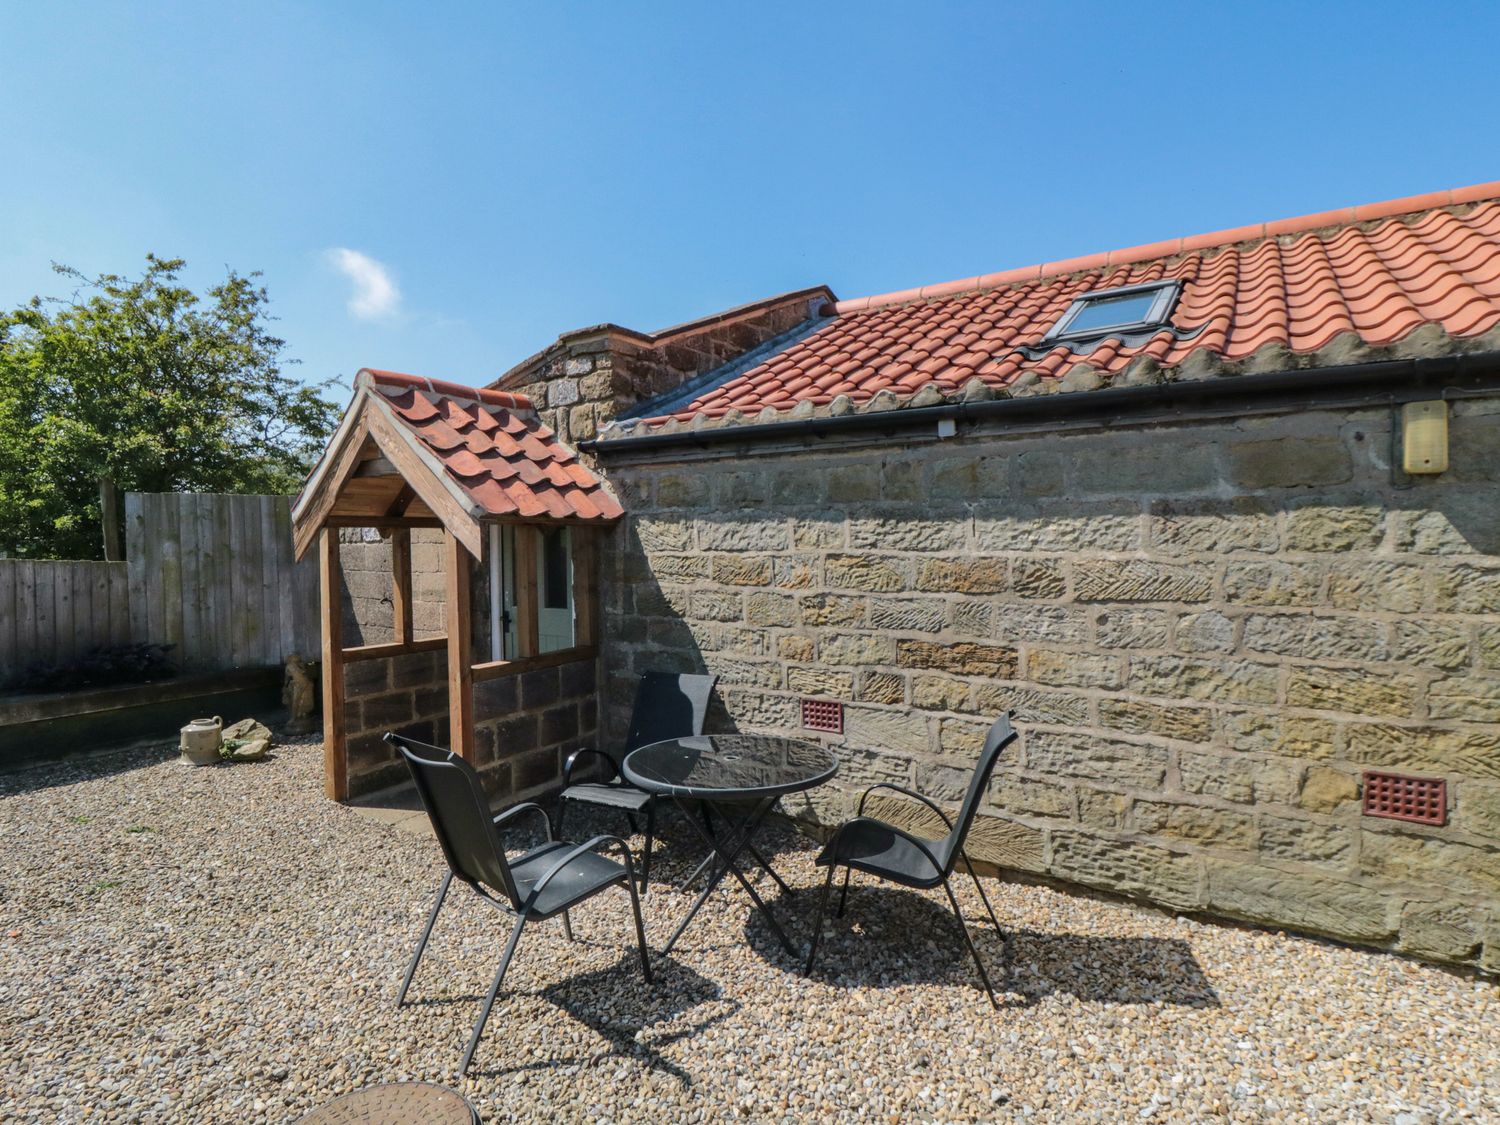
[
  {"x": 765, "y": 864},
  {"x": 766, "y": 867},
  {"x": 738, "y": 841}
]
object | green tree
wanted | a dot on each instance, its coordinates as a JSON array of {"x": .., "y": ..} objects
[{"x": 149, "y": 384}]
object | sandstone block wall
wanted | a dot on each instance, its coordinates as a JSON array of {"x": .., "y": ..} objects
[
  {"x": 1207, "y": 632},
  {"x": 524, "y": 725}
]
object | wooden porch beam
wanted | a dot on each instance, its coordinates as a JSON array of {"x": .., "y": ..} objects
[
  {"x": 335, "y": 750},
  {"x": 456, "y": 564},
  {"x": 306, "y": 529},
  {"x": 523, "y": 555},
  {"x": 403, "y": 500},
  {"x": 498, "y": 669},
  {"x": 394, "y": 648},
  {"x": 401, "y": 583},
  {"x": 380, "y": 522}
]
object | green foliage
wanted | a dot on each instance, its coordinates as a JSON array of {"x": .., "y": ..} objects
[{"x": 149, "y": 384}]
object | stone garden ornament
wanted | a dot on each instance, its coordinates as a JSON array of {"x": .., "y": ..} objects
[{"x": 297, "y": 694}]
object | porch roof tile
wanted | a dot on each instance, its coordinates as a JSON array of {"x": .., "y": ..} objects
[{"x": 495, "y": 448}]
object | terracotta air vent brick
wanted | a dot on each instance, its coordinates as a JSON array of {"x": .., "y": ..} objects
[
  {"x": 1395, "y": 796},
  {"x": 824, "y": 715}
]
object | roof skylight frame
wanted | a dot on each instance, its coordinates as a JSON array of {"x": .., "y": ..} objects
[{"x": 1156, "y": 317}]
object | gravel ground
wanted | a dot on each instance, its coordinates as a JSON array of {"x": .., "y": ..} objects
[{"x": 224, "y": 944}]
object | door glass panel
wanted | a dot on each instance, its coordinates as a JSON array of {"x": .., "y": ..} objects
[{"x": 555, "y": 589}]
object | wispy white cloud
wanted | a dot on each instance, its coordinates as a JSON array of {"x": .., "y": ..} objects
[{"x": 375, "y": 295}]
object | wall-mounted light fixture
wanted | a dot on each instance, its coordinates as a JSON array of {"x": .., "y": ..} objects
[{"x": 1424, "y": 437}]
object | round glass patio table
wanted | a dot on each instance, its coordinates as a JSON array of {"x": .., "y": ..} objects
[
  {"x": 724, "y": 771},
  {"x": 729, "y": 767}
]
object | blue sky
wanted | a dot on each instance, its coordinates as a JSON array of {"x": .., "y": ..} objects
[{"x": 513, "y": 172}]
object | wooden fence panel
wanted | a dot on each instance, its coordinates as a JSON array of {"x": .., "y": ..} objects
[
  {"x": 214, "y": 575},
  {"x": 53, "y": 611}
]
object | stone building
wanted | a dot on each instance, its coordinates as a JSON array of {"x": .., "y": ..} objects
[{"x": 1218, "y": 518}]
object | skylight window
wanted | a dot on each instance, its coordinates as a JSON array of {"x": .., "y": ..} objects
[{"x": 1129, "y": 310}]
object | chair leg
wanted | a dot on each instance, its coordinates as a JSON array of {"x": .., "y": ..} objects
[
  {"x": 844, "y": 894},
  {"x": 416, "y": 956},
  {"x": 978, "y": 886},
  {"x": 630, "y": 819},
  {"x": 650, "y": 835},
  {"x": 640, "y": 929},
  {"x": 489, "y": 1001},
  {"x": 568, "y": 925},
  {"x": 962, "y": 925},
  {"x": 812, "y": 947}
]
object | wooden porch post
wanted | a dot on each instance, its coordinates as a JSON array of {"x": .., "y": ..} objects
[
  {"x": 335, "y": 752},
  {"x": 457, "y": 563},
  {"x": 401, "y": 583},
  {"x": 527, "y": 624}
]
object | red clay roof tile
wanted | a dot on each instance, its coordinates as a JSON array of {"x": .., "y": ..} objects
[
  {"x": 1386, "y": 270},
  {"x": 493, "y": 446}
]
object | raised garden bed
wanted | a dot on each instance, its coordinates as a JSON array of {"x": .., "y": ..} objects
[{"x": 40, "y": 727}]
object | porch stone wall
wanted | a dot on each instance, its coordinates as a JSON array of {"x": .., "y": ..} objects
[
  {"x": 365, "y": 558},
  {"x": 1207, "y": 632},
  {"x": 525, "y": 727},
  {"x": 407, "y": 694}
]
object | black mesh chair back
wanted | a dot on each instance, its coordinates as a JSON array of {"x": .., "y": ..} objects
[
  {"x": 454, "y": 799},
  {"x": 541, "y": 883},
  {"x": 668, "y": 705},
  {"x": 1001, "y": 735},
  {"x": 887, "y": 851}
]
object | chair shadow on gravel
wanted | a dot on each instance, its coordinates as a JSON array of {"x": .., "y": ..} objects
[
  {"x": 624, "y": 1014},
  {"x": 891, "y": 936}
]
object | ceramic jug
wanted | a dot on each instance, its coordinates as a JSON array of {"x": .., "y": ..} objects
[{"x": 200, "y": 741}]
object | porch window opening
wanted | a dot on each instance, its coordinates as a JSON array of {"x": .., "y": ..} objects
[
  {"x": 557, "y": 582},
  {"x": 1109, "y": 312},
  {"x": 539, "y": 586},
  {"x": 555, "y": 566}
]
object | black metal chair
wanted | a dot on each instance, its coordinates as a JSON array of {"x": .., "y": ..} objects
[
  {"x": 546, "y": 881},
  {"x": 883, "y": 850},
  {"x": 667, "y": 705}
]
